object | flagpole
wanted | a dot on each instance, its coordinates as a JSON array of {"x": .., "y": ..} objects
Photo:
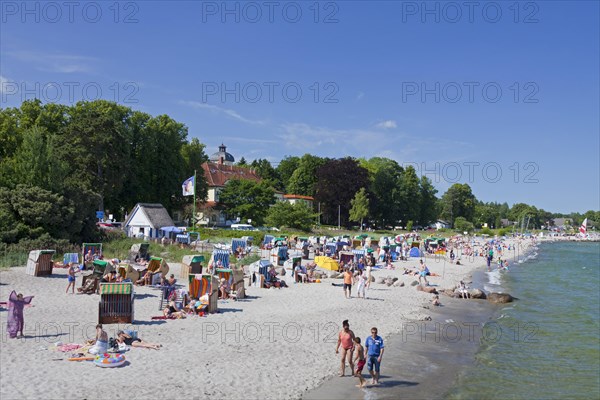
[{"x": 194, "y": 215}]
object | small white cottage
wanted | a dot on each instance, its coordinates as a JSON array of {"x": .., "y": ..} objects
[{"x": 146, "y": 219}]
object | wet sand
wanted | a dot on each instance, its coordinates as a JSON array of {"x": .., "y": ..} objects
[{"x": 423, "y": 361}]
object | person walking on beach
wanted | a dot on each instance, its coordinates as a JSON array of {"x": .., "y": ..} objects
[
  {"x": 346, "y": 340},
  {"x": 423, "y": 270},
  {"x": 348, "y": 281},
  {"x": 16, "y": 321},
  {"x": 374, "y": 353},
  {"x": 368, "y": 277},
  {"x": 71, "y": 279},
  {"x": 362, "y": 281},
  {"x": 360, "y": 362}
]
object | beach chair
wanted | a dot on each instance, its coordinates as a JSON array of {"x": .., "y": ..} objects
[
  {"x": 191, "y": 264},
  {"x": 202, "y": 284},
  {"x": 70, "y": 258},
  {"x": 235, "y": 277},
  {"x": 127, "y": 271},
  {"x": 279, "y": 255},
  {"x": 39, "y": 263},
  {"x": 358, "y": 254},
  {"x": 96, "y": 249},
  {"x": 158, "y": 265},
  {"x": 99, "y": 268},
  {"x": 138, "y": 250},
  {"x": 116, "y": 303}
]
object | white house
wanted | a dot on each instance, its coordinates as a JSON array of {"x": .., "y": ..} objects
[
  {"x": 439, "y": 224},
  {"x": 146, "y": 219}
]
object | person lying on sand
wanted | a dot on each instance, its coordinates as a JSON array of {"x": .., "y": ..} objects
[
  {"x": 125, "y": 338},
  {"x": 172, "y": 311}
]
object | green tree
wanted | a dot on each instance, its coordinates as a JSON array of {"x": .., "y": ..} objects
[
  {"x": 304, "y": 179},
  {"x": 409, "y": 195},
  {"x": 242, "y": 162},
  {"x": 360, "y": 207},
  {"x": 458, "y": 201},
  {"x": 267, "y": 173},
  {"x": 338, "y": 181},
  {"x": 247, "y": 199},
  {"x": 297, "y": 216},
  {"x": 286, "y": 168},
  {"x": 385, "y": 200},
  {"x": 428, "y": 210}
]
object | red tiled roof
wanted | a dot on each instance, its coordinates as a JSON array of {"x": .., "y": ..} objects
[
  {"x": 208, "y": 204},
  {"x": 297, "y": 196},
  {"x": 219, "y": 174}
]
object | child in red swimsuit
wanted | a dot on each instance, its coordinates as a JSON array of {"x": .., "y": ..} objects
[{"x": 360, "y": 362}]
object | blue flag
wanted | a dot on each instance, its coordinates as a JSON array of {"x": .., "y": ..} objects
[{"x": 188, "y": 186}]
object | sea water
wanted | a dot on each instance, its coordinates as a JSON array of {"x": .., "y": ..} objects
[{"x": 545, "y": 345}]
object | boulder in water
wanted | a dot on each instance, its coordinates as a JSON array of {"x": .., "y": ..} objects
[
  {"x": 500, "y": 298},
  {"x": 414, "y": 283},
  {"x": 477, "y": 294}
]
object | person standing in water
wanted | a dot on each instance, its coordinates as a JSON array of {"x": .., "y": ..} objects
[
  {"x": 374, "y": 353},
  {"x": 346, "y": 340}
]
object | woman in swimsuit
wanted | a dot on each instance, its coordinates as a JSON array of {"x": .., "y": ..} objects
[{"x": 346, "y": 339}]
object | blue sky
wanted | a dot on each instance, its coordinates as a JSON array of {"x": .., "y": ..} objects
[{"x": 509, "y": 88}]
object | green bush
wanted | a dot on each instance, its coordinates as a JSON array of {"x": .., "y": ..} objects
[
  {"x": 462, "y": 225},
  {"x": 486, "y": 231},
  {"x": 409, "y": 226}
]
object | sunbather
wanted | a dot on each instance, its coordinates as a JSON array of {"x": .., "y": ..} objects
[
  {"x": 128, "y": 340},
  {"x": 224, "y": 289},
  {"x": 173, "y": 311}
]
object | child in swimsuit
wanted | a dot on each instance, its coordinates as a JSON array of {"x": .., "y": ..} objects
[{"x": 360, "y": 361}]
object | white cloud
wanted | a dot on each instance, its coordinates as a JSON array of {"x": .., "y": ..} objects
[
  {"x": 61, "y": 63},
  {"x": 389, "y": 124},
  {"x": 215, "y": 109},
  {"x": 359, "y": 96}
]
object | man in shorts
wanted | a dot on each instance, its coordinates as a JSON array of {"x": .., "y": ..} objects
[{"x": 374, "y": 353}]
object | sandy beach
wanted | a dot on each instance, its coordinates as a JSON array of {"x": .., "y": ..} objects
[{"x": 275, "y": 344}]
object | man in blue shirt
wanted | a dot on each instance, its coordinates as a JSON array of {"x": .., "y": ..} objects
[{"x": 374, "y": 353}]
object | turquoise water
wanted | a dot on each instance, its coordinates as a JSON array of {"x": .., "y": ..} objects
[{"x": 546, "y": 345}]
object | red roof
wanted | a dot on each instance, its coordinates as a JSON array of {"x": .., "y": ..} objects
[
  {"x": 297, "y": 196},
  {"x": 219, "y": 174}
]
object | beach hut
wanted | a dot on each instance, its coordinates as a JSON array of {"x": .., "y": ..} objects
[
  {"x": 116, "y": 303},
  {"x": 327, "y": 263},
  {"x": 96, "y": 249},
  {"x": 39, "y": 263},
  {"x": 191, "y": 264},
  {"x": 235, "y": 277},
  {"x": 205, "y": 285}
]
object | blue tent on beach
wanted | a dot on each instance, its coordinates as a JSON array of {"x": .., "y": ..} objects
[{"x": 415, "y": 252}]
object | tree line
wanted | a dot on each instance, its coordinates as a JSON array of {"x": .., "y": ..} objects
[{"x": 59, "y": 164}]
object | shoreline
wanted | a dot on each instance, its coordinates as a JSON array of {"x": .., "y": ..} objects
[
  {"x": 249, "y": 344},
  {"x": 440, "y": 350}
]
